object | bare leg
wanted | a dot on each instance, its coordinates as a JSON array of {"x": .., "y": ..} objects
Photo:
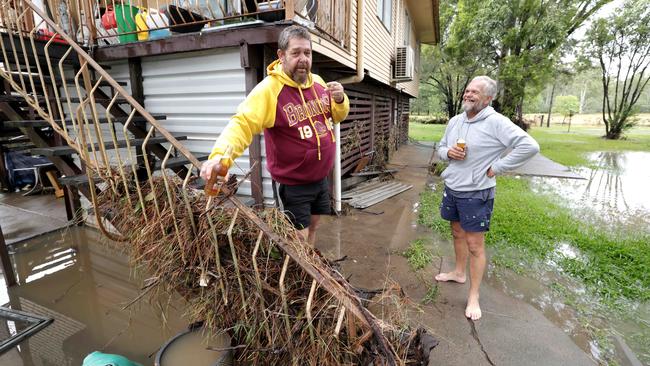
[
  {"x": 461, "y": 250},
  {"x": 477, "y": 262},
  {"x": 311, "y": 237}
]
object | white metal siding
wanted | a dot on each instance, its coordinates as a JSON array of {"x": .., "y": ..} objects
[{"x": 198, "y": 92}]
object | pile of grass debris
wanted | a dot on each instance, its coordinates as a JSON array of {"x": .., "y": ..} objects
[{"x": 281, "y": 302}]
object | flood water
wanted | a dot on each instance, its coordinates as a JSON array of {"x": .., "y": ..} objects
[
  {"x": 615, "y": 192},
  {"x": 83, "y": 284},
  {"x": 615, "y": 197}
]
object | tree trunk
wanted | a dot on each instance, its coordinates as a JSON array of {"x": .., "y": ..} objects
[
  {"x": 583, "y": 99},
  {"x": 550, "y": 106},
  {"x": 451, "y": 107},
  {"x": 511, "y": 105}
]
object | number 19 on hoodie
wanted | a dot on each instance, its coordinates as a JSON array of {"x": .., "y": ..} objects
[{"x": 305, "y": 132}]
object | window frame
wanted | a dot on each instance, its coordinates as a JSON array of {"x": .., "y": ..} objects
[{"x": 385, "y": 13}]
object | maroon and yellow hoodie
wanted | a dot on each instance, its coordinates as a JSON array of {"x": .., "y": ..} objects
[{"x": 296, "y": 119}]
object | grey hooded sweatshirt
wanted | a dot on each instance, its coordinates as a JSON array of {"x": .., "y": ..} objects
[{"x": 487, "y": 136}]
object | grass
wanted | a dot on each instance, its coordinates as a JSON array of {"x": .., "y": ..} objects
[
  {"x": 425, "y": 132},
  {"x": 418, "y": 255},
  {"x": 571, "y": 148},
  {"x": 431, "y": 295},
  {"x": 613, "y": 265}
]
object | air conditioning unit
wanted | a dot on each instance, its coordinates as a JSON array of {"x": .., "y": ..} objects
[{"x": 404, "y": 61}]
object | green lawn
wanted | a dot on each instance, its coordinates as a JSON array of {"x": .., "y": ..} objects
[
  {"x": 422, "y": 132},
  {"x": 615, "y": 265},
  {"x": 570, "y": 148}
]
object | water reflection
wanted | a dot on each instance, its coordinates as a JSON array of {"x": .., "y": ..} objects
[
  {"x": 615, "y": 192},
  {"x": 83, "y": 284}
]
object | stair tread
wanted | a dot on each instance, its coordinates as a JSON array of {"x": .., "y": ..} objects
[
  {"x": 79, "y": 180},
  {"x": 14, "y": 141},
  {"x": 67, "y": 150}
]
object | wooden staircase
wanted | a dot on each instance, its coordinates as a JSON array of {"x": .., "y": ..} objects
[{"x": 61, "y": 108}]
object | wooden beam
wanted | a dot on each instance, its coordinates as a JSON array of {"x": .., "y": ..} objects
[
  {"x": 137, "y": 92},
  {"x": 253, "y": 63},
  {"x": 256, "y": 34},
  {"x": 4, "y": 175},
  {"x": 7, "y": 266}
]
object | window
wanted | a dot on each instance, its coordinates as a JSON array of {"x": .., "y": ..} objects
[
  {"x": 407, "y": 29},
  {"x": 385, "y": 12}
]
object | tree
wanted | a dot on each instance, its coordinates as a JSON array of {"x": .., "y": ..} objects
[
  {"x": 620, "y": 44},
  {"x": 566, "y": 104},
  {"x": 524, "y": 39},
  {"x": 446, "y": 76},
  {"x": 449, "y": 66}
]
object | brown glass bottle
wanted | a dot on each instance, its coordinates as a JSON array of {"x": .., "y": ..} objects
[{"x": 218, "y": 175}]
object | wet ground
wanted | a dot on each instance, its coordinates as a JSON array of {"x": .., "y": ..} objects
[
  {"x": 19, "y": 215},
  {"x": 513, "y": 331},
  {"x": 83, "y": 284},
  {"x": 614, "y": 193}
]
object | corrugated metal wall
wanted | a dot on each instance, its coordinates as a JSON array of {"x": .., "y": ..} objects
[{"x": 198, "y": 92}]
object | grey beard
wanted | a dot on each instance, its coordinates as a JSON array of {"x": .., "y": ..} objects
[{"x": 467, "y": 107}]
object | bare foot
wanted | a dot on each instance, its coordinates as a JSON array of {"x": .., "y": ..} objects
[
  {"x": 450, "y": 276},
  {"x": 473, "y": 310}
]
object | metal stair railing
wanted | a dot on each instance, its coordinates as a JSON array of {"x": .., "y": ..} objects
[{"x": 117, "y": 171}]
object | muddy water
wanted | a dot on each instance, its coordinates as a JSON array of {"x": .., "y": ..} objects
[
  {"x": 193, "y": 349},
  {"x": 615, "y": 192},
  {"x": 614, "y": 196},
  {"x": 83, "y": 284}
]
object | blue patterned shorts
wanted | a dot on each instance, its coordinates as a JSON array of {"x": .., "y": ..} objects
[{"x": 474, "y": 214}]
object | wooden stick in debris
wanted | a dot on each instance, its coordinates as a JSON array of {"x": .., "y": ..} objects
[{"x": 343, "y": 293}]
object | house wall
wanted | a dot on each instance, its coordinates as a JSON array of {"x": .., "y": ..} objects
[{"x": 379, "y": 44}]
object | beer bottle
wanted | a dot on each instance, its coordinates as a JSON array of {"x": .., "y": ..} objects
[{"x": 219, "y": 175}]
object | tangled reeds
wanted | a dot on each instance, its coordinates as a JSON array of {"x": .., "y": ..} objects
[{"x": 281, "y": 301}]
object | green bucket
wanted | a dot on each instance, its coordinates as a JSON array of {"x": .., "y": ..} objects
[{"x": 125, "y": 17}]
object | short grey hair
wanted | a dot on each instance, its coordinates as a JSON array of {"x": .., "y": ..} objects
[
  {"x": 294, "y": 31},
  {"x": 489, "y": 85}
]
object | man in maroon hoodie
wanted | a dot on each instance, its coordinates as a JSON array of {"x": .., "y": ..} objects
[{"x": 296, "y": 110}]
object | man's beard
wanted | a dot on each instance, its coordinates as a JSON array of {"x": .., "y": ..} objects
[
  {"x": 300, "y": 78},
  {"x": 472, "y": 107}
]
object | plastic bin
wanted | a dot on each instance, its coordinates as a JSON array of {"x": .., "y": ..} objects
[
  {"x": 125, "y": 17},
  {"x": 179, "y": 17},
  {"x": 157, "y": 19},
  {"x": 188, "y": 348}
]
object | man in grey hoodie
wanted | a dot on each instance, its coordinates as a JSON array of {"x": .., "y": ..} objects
[{"x": 474, "y": 143}]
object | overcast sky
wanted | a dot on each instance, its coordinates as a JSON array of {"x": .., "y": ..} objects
[{"x": 603, "y": 12}]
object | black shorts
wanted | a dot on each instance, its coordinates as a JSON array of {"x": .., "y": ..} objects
[{"x": 299, "y": 202}]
